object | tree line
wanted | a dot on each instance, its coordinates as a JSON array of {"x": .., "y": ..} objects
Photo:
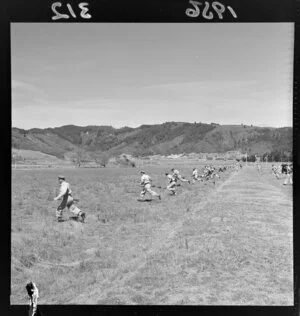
[{"x": 273, "y": 156}]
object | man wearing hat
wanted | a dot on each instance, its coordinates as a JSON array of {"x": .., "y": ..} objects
[
  {"x": 65, "y": 194},
  {"x": 177, "y": 175},
  {"x": 171, "y": 183},
  {"x": 146, "y": 184},
  {"x": 195, "y": 175}
]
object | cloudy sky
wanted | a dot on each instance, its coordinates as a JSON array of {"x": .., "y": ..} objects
[{"x": 132, "y": 74}]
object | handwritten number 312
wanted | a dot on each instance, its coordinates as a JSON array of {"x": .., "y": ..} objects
[{"x": 82, "y": 6}]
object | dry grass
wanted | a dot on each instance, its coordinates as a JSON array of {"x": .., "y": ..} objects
[{"x": 228, "y": 244}]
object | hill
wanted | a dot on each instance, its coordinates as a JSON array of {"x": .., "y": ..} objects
[
  {"x": 164, "y": 139},
  {"x": 33, "y": 157}
]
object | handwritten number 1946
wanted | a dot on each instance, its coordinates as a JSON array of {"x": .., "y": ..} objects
[
  {"x": 217, "y": 6},
  {"x": 82, "y": 6}
]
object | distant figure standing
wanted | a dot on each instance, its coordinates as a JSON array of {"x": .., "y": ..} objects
[
  {"x": 146, "y": 184},
  {"x": 171, "y": 183},
  {"x": 289, "y": 175},
  {"x": 33, "y": 294},
  {"x": 275, "y": 171},
  {"x": 177, "y": 176},
  {"x": 284, "y": 168},
  {"x": 195, "y": 175},
  {"x": 258, "y": 167},
  {"x": 65, "y": 194}
]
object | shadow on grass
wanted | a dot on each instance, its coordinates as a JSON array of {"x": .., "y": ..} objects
[{"x": 144, "y": 200}]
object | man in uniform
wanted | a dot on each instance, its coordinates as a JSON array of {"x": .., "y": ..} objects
[
  {"x": 171, "y": 183},
  {"x": 195, "y": 175},
  {"x": 177, "y": 176},
  {"x": 146, "y": 184},
  {"x": 65, "y": 194},
  {"x": 208, "y": 172}
]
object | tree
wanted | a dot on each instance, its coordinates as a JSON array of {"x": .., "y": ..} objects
[
  {"x": 101, "y": 158},
  {"x": 123, "y": 160},
  {"x": 288, "y": 155},
  {"x": 79, "y": 156},
  {"x": 251, "y": 158}
]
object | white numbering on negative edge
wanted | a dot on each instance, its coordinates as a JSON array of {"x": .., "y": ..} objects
[
  {"x": 193, "y": 12},
  {"x": 84, "y": 10},
  {"x": 232, "y": 11},
  {"x": 82, "y": 6},
  {"x": 210, "y": 15},
  {"x": 71, "y": 10},
  {"x": 218, "y": 7},
  {"x": 58, "y": 15}
]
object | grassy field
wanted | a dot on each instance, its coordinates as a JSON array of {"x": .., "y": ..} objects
[{"x": 223, "y": 244}]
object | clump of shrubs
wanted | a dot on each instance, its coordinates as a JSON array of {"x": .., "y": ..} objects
[{"x": 125, "y": 161}]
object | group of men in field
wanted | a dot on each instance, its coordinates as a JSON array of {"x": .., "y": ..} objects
[
  {"x": 286, "y": 169},
  {"x": 174, "y": 177}
]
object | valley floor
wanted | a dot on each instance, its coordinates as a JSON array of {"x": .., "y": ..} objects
[{"x": 225, "y": 244}]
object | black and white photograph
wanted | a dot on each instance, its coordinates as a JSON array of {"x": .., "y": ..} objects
[{"x": 152, "y": 164}]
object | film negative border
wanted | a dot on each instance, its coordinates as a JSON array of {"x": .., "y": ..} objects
[{"x": 155, "y": 11}]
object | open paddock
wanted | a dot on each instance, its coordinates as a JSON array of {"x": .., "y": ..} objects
[{"x": 225, "y": 244}]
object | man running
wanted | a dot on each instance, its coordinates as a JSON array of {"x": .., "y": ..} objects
[
  {"x": 177, "y": 176},
  {"x": 65, "y": 194},
  {"x": 146, "y": 184},
  {"x": 171, "y": 184},
  {"x": 208, "y": 172}
]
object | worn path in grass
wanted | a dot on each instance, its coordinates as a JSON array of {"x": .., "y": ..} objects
[{"x": 232, "y": 245}]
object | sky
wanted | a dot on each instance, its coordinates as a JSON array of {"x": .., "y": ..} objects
[{"x": 129, "y": 74}]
